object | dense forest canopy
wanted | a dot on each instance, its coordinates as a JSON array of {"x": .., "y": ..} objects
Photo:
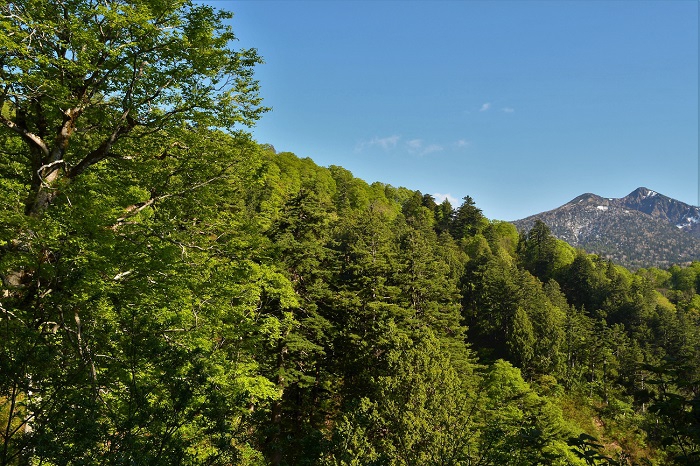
[{"x": 176, "y": 293}]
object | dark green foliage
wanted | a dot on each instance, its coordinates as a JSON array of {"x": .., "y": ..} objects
[
  {"x": 537, "y": 249},
  {"x": 675, "y": 404},
  {"x": 443, "y": 216},
  {"x": 468, "y": 219},
  {"x": 588, "y": 449},
  {"x": 511, "y": 315}
]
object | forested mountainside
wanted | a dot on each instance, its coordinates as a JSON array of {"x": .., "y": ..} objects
[
  {"x": 642, "y": 229},
  {"x": 174, "y": 293}
]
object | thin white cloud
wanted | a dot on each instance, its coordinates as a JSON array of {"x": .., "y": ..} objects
[
  {"x": 385, "y": 143},
  {"x": 439, "y": 197},
  {"x": 485, "y": 107},
  {"x": 432, "y": 148},
  {"x": 413, "y": 146},
  {"x": 508, "y": 110},
  {"x": 462, "y": 143},
  {"x": 417, "y": 146}
]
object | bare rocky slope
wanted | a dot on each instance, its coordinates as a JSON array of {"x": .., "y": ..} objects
[{"x": 642, "y": 229}]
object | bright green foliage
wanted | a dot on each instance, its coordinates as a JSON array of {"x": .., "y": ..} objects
[
  {"x": 131, "y": 335},
  {"x": 86, "y": 80},
  {"x": 351, "y": 192},
  {"x": 420, "y": 411},
  {"x": 502, "y": 236},
  {"x": 518, "y": 427},
  {"x": 684, "y": 280},
  {"x": 127, "y": 328}
]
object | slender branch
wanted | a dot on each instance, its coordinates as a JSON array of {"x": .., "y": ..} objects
[
  {"x": 102, "y": 152},
  {"x": 27, "y": 135},
  {"x": 136, "y": 208},
  {"x": 11, "y": 314}
]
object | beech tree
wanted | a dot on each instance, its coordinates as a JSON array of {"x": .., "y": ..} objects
[
  {"x": 128, "y": 311},
  {"x": 81, "y": 79}
]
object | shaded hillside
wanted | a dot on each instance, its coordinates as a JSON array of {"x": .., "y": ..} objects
[{"x": 642, "y": 229}]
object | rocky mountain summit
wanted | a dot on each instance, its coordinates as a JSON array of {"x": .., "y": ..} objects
[{"x": 642, "y": 229}]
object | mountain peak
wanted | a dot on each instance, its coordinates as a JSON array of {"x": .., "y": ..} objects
[
  {"x": 587, "y": 198},
  {"x": 642, "y": 229},
  {"x": 644, "y": 193}
]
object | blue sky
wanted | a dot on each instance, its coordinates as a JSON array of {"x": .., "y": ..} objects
[{"x": 523, "y": 105}]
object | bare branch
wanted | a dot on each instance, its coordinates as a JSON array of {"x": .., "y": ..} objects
[
  {"x": 9, "y": 313},
  {"x": 28, "y": 136},
  {"x": 43, "y": 167},
  {"x": 121, "y": 275},
  {"x": 134, "y": 209},
  {"x": 125, "y": 125}
]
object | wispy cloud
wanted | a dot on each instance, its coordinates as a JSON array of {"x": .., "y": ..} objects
[
  {"x": 439, "y": 197},
  {"x": 432, "y": 148},
  {"x": 414, "y": 144},
  {"x": 384, "y": 143},
  {"x": 417, "y": 146},
  {"x": 485, "y": 107},
  {"x": 462, "y": 143}
]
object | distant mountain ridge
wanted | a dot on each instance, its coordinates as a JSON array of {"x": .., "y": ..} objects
[{"x": 642, "y": 229}]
